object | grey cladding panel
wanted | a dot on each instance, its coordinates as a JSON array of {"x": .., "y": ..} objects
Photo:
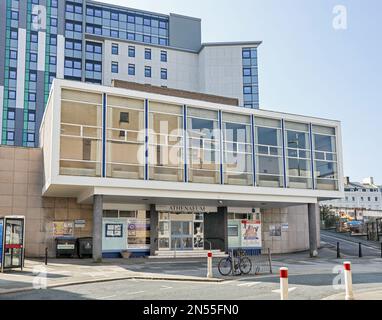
[{"x": 185, "y": 32}]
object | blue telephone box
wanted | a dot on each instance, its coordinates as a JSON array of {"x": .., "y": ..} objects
[{"x": 12, "y": 242}]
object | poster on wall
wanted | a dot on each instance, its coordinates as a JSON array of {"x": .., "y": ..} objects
[
  {"x": 138, "y": 234},
  {"x": 275, "y": 230},
  {"x": 114, "y": 230},
  {"x": 63, "y": 228},
  {"x": 251, "y": 234}
]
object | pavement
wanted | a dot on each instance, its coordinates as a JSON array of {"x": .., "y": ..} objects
[
  {"x": 65, "y": 272},
  {"x": 312, "y": 278}
]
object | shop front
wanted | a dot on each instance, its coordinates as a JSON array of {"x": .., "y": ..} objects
[
  {"x": 181, "y": 228},
  {"x": 125, "y": 232}
]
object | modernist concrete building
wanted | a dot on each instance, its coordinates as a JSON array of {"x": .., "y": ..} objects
[
  {"x": 151, "y": 172},
  {"x": 94, "y": 42},
  {"x": 151, "y": 141}
]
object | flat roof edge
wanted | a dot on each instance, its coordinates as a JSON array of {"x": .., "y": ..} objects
[{"x": 184, "y": 16}]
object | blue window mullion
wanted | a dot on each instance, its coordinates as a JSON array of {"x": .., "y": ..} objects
[
  {"x": 147, "y": 177},
  {"x": 312, "y": 155},
  {"x": 284, "y": 153},
  {"x": 185, "y": 155},
  {"x": 221, "y": 147},
  {"x": 104, "y": 106},
  {"x": 253, "y": 149}
]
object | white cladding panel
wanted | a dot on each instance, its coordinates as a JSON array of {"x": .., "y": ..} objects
[{"x": 21, "y": 69}]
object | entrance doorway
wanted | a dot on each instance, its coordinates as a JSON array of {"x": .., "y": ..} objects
[{"x": 181, "y": 232}]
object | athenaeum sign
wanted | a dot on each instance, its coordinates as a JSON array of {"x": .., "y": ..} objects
[{"x": 185, "y": 208}]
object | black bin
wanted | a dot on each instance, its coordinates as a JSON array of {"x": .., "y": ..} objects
[
  {"x": 66, "y": 247},
  {"x": 85, "y": 247}
]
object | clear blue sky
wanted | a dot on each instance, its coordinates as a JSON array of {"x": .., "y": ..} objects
[{"x": 305, "y": 65}]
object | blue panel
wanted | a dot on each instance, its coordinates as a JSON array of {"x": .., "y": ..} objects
[
  {"x": 312, "y": 156},
  {"x": 104, "y": 135},
  {"x": 284, "y": 154},
  {"x": 185, "y": 156},
  {"x": 253, "y": 148},
  {"x": 221, "y": 146},
  {"x": 147, "y": 140}
]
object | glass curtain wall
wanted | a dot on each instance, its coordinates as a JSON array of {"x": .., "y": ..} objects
[
  {"x": 125, "y": 138},
  {"x": 166, "y": 142},
  {"x": 203, "y": 146},
  {"x": 325, "y": 158},
  {"x": 238, "y": 165},
  {"x": 269, "y": 153},
  {"x": 81, "y": 133},
  {"x": 298, "y": 155}
]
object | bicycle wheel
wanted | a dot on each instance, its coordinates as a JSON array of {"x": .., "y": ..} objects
[
  {"x": 225, "y": 266},
  {"x": 245, "y": 265}
]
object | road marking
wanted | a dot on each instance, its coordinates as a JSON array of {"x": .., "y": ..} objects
[
  {"x": 165, "y": 288},
  {"x": 248, "y": 284},
  {"x": 107, "y": 297},
  {"x": 350, "y": 241},
  {"x": 138, "y": 292},
  {"x": 289, "y": 290},
  {"x": 228, "y": 282}
]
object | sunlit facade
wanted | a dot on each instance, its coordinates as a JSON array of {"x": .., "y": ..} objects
[{"x": 189, "y": 168}]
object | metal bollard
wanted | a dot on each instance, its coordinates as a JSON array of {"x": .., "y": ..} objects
[
  {"x": 46, "y": 256},
  {"x": 348, "y": 281},
  {"x": 360, "y": 250},
  {"x": 284, "y": 283},
  {"x": 338, "y": 251},
  {"x": 209, "y": 265}
]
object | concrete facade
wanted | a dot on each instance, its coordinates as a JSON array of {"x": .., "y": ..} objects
[
  {"x": 21, "y": 179},
  {"x": 295, "y": 236}
]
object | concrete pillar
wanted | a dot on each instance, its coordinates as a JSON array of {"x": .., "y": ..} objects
[
  {"x": 154, "y": 220},
  {"x": 97, "y": 227},
  {"x": 312, "y": 222}
]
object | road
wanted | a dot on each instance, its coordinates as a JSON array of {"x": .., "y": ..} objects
[
  {"x": 303, "y": 288},
  {"x": 308, "y": 279},
  {"x": 349, "y": 247}
]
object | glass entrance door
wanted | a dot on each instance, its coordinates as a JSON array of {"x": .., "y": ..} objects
[{"x": 181, "y": 235}]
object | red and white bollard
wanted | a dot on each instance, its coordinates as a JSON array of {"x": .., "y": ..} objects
[
  {"x": 348, "y": 281},
  {"x": 209, "y": 265},
  {"x": 284, "y": 283}
]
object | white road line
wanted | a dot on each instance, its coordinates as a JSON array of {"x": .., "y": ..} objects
[
  {"x": 248, "y": 284},
  {"x": 165, "y": 288},
  {"x": 289, "y": 290},
  {"x": 349, "y": 241},
  {"x": 228, "y": 282},
  {"x": 138, "y": 292},
  {"x": 107, "y": 297}
]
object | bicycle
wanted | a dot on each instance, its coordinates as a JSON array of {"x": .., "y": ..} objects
[{"x": 241, "y": 265}]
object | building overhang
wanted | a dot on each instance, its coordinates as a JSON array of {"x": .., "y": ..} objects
[{"x": 159, "y": 192}]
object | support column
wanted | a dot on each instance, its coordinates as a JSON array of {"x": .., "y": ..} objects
[
  {"x": 154, "y": 220},
  {"x": 312, "y": 222},
  {"x": 97, "y": 228}
]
